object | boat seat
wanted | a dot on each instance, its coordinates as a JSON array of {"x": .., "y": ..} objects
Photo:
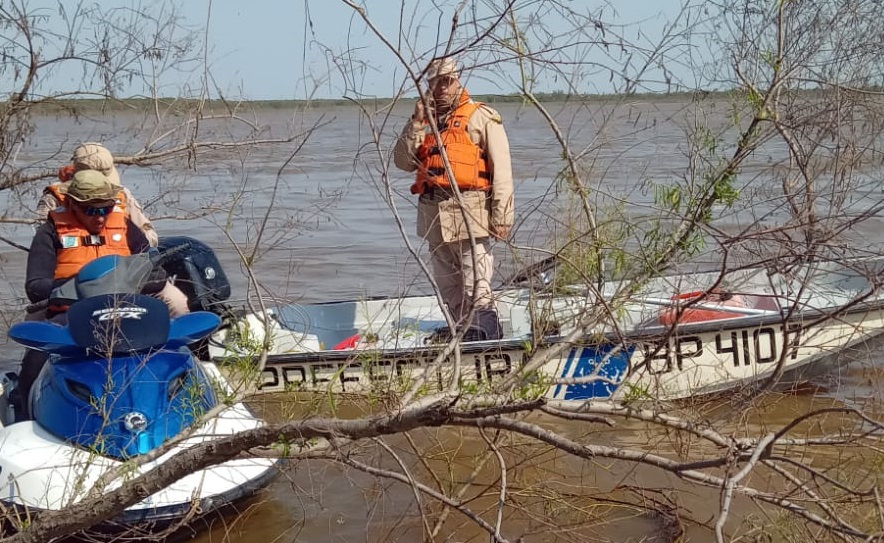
[{"x": 115, "y": 323}]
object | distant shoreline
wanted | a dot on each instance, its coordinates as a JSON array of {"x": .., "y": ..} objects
[{"x": 86, "y": 105}]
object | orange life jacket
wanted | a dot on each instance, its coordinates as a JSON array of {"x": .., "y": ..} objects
[
  {"x": 79, "y": 247},
  {"x": 468, "y": 160}
]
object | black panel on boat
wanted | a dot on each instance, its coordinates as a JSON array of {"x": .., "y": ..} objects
[{"x": 197, "y": 272}]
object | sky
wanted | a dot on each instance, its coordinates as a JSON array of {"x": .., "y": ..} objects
[
  {"x": 269, "y": 50},
  {"x": 274, "y": 49}
]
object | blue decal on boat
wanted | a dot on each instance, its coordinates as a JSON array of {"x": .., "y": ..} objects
[
  {"x": 610, "y": 362},
  {"x": 566, "y": 371}
]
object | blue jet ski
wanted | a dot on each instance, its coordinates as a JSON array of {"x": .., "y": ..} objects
[{"x": 120, "y": 382}]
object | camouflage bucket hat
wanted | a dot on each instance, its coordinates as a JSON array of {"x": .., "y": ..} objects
[{"x": 91, "y": 186}]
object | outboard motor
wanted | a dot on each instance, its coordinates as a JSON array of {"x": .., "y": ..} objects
[{"x": 197, "y": 272}]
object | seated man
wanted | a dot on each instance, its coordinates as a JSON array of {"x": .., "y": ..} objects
[
  {"x": 91, "y": 223},
  {"x": 95, "y": 156}
]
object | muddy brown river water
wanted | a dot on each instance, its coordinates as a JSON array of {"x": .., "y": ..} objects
[{"x": 332, "y": 235}]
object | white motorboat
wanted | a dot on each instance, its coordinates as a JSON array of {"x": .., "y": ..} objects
[{"x": 675, "y": 338}]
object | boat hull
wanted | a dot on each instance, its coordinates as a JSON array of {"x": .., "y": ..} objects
[
  {"x": 663, "y": 363},
  {"x": 672, "y": 340}
]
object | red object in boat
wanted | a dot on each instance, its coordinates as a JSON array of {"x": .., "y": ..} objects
[
  {"x": 349, "y": 343},
  {"x": 671, "y": 315}
]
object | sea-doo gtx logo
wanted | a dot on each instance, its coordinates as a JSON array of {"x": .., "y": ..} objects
[{"x": 111, "y": 313}]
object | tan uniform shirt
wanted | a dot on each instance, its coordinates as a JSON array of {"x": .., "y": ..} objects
[{"x": 486, "y": 131}]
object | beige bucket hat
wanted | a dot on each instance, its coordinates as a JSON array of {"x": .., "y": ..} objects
[
  {"x": 95, "y": 156},
  {"x": 442, "y": 67}
]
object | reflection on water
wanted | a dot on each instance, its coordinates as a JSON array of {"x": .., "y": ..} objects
[{"x": 331, "y": 234}]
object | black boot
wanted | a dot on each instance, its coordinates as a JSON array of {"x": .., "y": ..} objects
[{"x": 31, "y": 365}]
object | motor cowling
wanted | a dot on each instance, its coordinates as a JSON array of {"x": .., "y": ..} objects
[{"x": 197, "y": 272}]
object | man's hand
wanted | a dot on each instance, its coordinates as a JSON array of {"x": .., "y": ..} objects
[
  {"x": 420, "y": 113},
  {"x": 500, "y": 231}
]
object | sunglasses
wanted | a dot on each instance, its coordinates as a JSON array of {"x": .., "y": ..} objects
[{"x": 97, "y": 211}]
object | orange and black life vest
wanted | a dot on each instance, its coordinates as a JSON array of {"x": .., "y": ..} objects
[
  {"x": 468, "y": 160},
  {"x": 79, "y": 247}
]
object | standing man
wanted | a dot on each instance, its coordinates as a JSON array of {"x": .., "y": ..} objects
[{"x": 478, "y": 153}]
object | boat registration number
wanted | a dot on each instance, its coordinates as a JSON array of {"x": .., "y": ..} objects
[{"x": 357, "y": 375}]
